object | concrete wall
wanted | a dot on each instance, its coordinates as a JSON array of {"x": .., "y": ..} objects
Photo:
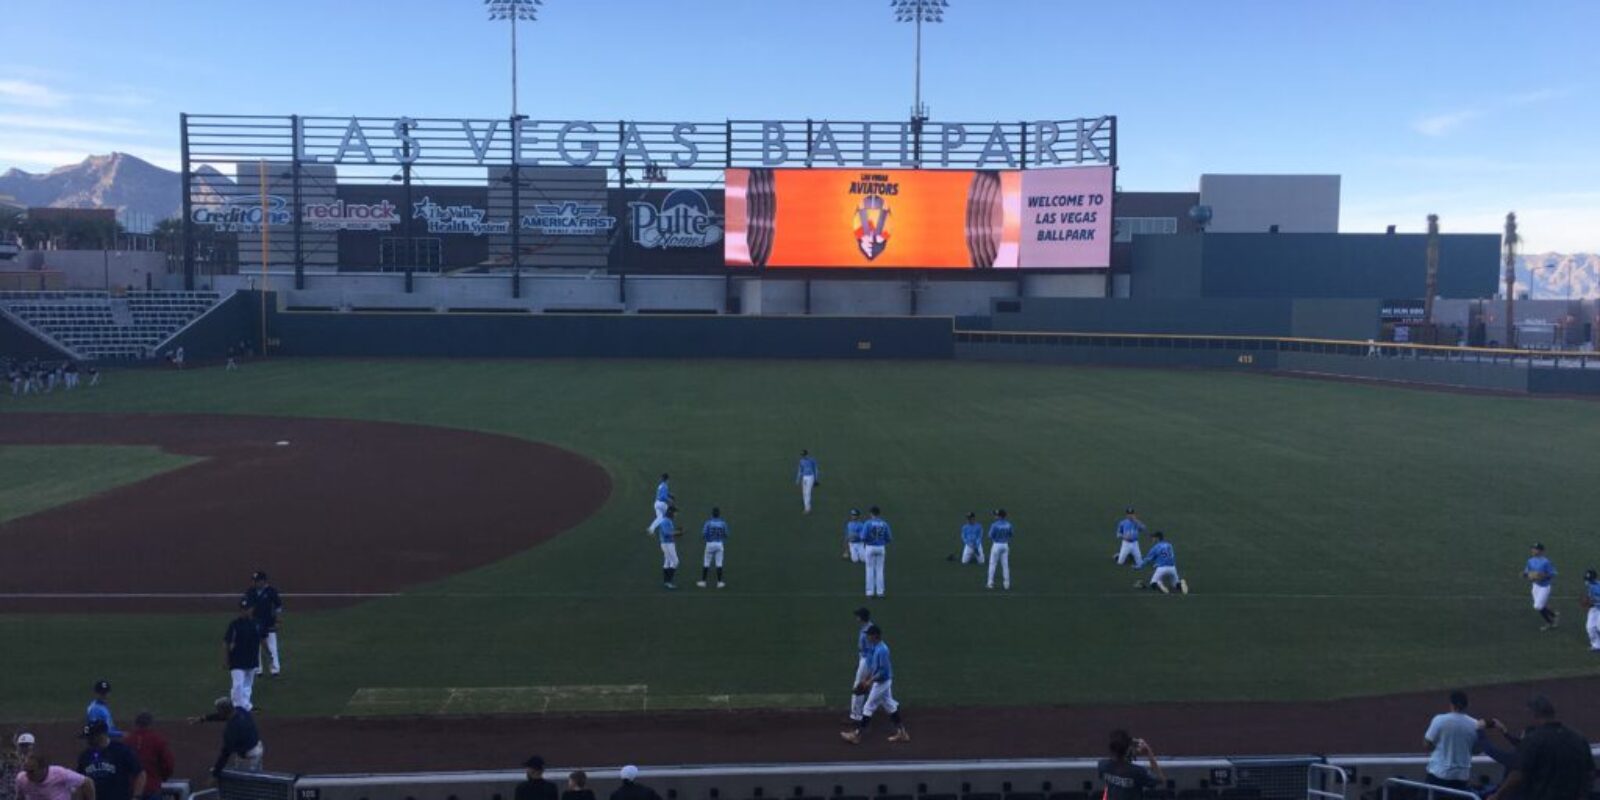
[
  {"x": 18, "y": 342},
  {"x": 98, "y": 269},
  {"x": 1192, "y": 317},
  {"x": 1254, "y": 203}
]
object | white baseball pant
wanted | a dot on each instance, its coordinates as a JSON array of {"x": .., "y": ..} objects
[
  {"x": 1594, "y": 629},
  {"x": 807, "y": 483},
  {"x": 250, "y": 761},
  {"x": 1541, "y": 596},
  {"x": 858, "y": 702},
  {"x": 971, "y": 553},
  {"x": 272, "y": 651},
  {"x": 875, "y": 554},
  {"x": 1163, "y": 574},
  {"x": 244, "y": 682},
  {"x": 1130, "y": 549},
  {"x": 713, "y": 554},
  {"x": 669, "y": 555},
  {"x": 858, "y": 552},
  {"x": 661, "y": 511},
  {"x": 880, "y": 697},
  {"x": 1000, "y": 556}
]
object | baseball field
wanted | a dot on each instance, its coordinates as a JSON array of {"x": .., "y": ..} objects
[{"x": 464, "y": 538}]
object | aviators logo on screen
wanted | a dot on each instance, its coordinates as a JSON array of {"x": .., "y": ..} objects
[{"x": 872, "y": 215}]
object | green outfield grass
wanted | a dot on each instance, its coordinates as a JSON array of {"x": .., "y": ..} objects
[
  {"x": 33, "y": 479},
  {"x": 1341, "y": 539}
]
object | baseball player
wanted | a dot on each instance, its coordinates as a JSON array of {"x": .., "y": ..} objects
[
  {"x": 875, "y": 546},
  {"x": 1166, "y": 564},
  {"x": 854, "y": 529},
  {"x": 667, "y": 532},
  {"x": 807, "y": 476},
  {"x": 1541, "y": 574},
  {"x": 1591, "y": 601},
  {"x": 972, "y": 540},
  {"x": 1128, "y": 530},
  {"x": 1000, "y": 533},
  {"x": 863, "y": 652},
  {"x": 715, "y": 532},
  {"x": 99, "y": 710},
  {"x": 266, "y": 608},
  {"x": 878, "y": 689},
  {"x": 664, "y": 500},
  {"x": 241, "y": 652}
]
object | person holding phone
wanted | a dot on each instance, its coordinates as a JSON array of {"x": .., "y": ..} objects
[{"x": 1123, "y": 779}]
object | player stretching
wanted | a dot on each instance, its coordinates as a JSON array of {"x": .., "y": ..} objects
[
  {"x": 1000, "y": 534},
  {"x": 1591, "y": 601},
  {"x": 715, "y": 532},
  {"x": 878, "y": 690},
  {"x": 1166, "y": 564},
  {"x": 1128, "y": 530},
  {"x": 875, "y": 541},
  {"x": 1541, "y": 573},
  {"x": 664, "y": 500},
  {"x": 863, "y": 652},
  {"x": 972, "y": 540},
  {"x": 266, "y": 607},
  {"x": 807, "y": 476},
  {"x": 854, "y": 530},
  {"x": 668, "y": 533}
]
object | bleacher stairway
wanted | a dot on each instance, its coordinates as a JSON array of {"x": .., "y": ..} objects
[{"x": 97, "y": 326}]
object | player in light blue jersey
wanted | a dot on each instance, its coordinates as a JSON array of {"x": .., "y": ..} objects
[
  {"x": 667, "y": 531},
  {"x": 1591, "y": 601},
  {"x": 664, "y": 500},
  {"x": 863, "y": 652},
  {"x": 875, "y": 540},
  {"x": 1128, "y": 530},
  {"x": 878, "y": 689},
  {"x": 1541, "y": 574},
  {"x": 972, "y": 540},
  {"x": 715, "y": 532},
  {"x": 807, "y": 476},
  {"x": 855, "y": 531},
  {"x": 1000, "y": 533},
  {"x": 1165, "y": 561}
]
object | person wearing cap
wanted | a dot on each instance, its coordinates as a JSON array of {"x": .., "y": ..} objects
[
  {"x": 715, "y": 534},
  {"x": 1165, "y": 560},
  {"x": 876, "y": 541},
  {"x": 1554, "y": 762},
  {"x": 1000, "y": 533},
  {"x": 1591, "y": 601},
  {"x": 1129, "y": 529},
  {"x": 266, "y": 608},
  {"x": 113, "y": 766},
  {"x": 99, "y": 710},
  {"x": 631, "y": 788},
  {"x": 666, "y": 530},
  {"x": 241, "y": 653},
  {"x": 242, "y": 747},
  {"x": 806, "y": 477},
  {"x": 153, "y": 751},
  {"x": 535, "y": 787},
  {"x": 578, "y": 786},
  {"x": 663, "y": 501},
  {"x": 972, "y": 540},
  {"x": 1540, "y": 574},
  {"x": 854, "y": 530},
  {"x": 863, "y": 652},
  {"x": 878, "y": 688},
  {"x": 40, "y": 780},
  {"x": 11, "y": 759}
]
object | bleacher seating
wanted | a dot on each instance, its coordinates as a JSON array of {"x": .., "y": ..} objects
[{"x": 97, "y": 325}]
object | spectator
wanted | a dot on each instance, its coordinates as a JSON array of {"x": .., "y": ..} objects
[
  {"x": 535, "y": 787},
  {"x": 153, "y": 752},
  {"x": 241, "y": 741},
  {"x": 1450, "y": 737},
  {"x": 41, "y": 781},
  {"x": 11, "y": 764},
  {"x": 99, "y": 710},
  {"x": 631, "y": 789},
  {"x": 578, "y": 786},
  {"x": 1505, "y": 757},
  {"x": 113, "y": 767},
  {"x": 1123, "y": 779},
  {"x": 1554, "y": 762}
]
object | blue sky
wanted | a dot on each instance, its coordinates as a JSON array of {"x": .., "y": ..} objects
[{"x": 1466, "y": 108}]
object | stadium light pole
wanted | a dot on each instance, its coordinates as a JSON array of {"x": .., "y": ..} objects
[
  {"x": 918, "y": 12},
  {"x": 512, "y": 11}
]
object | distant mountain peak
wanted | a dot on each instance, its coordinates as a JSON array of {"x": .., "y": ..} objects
[{"x": 117, "y": 180}]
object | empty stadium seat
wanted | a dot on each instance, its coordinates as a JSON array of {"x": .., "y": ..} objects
[{"x": 96, "y": 325}]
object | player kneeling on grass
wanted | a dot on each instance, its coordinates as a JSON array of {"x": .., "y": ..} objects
[
  {"x": 715, "y": 532},
  {"x": 972, "y": 540},
  {"x": 878, "y": 688},
  {"x": 1165, "y": 561},
  {"x": 1541, "y": 573}
]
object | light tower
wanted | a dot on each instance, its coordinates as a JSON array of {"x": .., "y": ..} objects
[
  {"x": 918, "y": 12},
  {"x": 1512, "y": 241},
  {"x": 513, "y": 11}
]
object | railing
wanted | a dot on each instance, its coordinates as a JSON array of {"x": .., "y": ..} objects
[
  {"x": 1413, "y": 787},
  {"x": 1288, "y": 344},
  {"x": 1320, "y": 776}
]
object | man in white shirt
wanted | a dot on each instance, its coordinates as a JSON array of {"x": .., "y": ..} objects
[{"x": 1450, "y": 737}]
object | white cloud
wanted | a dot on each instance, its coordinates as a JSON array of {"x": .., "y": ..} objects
[
  {"x": 15, "y": 91},
  {"x": 1442, "y": 124}
]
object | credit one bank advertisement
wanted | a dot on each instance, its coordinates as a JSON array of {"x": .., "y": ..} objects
[{"x": 919, "y": 219}]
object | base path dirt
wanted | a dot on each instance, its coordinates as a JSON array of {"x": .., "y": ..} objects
[{"x": 383, "y": 506}]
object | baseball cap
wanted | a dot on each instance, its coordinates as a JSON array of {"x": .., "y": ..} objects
[
  {"x": 971, "y": 514},
  {"x": 999, "y": 512},
  {"x": 534, "y": 762},
  {"x": 102, "y": 686},
  {"x": 630, "y": 772},
  {"x": 243, "y": 603},
  {"x": 855, "y": 512},
  {"x": 1128, "y": 510},
  {"x": 1538, "y": 545},
  {"x": 258, "y": 575},
  {"x": 24, "y": 738},
  {"x": 93, "y": 729}
]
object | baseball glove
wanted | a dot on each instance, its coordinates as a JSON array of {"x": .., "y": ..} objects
[
  {"x": 1534, "y": 577},
  {"x": 862, "y": 688}
]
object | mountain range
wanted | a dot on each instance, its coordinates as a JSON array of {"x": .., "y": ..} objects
[{"x": 142, "y": 193}]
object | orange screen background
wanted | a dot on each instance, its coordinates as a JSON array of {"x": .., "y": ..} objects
[{"x": 816, "y": 220}]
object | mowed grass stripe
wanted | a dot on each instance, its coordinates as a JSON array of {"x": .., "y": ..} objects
[{"x": 556, "y": 699}]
